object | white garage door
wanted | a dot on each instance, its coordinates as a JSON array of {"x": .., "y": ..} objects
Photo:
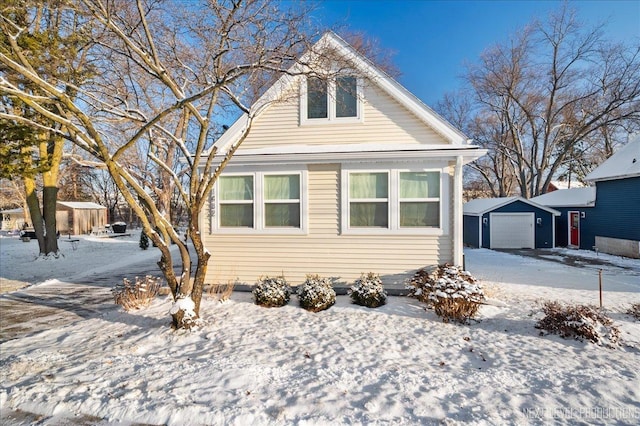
[{"x": 512, "y": 230}]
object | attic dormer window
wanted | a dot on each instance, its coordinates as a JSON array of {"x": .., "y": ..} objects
[
  {"x": 317, "y": 98},
  {"x": 330, "y": 100},
  {"x": 346, "y": 97}
]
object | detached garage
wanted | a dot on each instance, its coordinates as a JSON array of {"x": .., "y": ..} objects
[{"x": 508, "y": 223}]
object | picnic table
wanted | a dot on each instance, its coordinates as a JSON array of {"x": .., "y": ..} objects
[{"x": 74, "y": 243}]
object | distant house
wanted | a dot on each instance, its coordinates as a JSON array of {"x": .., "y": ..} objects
[
  {"x": 12, "y": 219},
  {"x": 616, "y": 216},
  {"x": 508, "y": 223},
  {"x": 345, "y": 176},
  {"x": 556, "y": 185},
  {"x": 575, "y": 225},
  {"x": 607, "y": 216},
  {"x": 71, "y": 216}
]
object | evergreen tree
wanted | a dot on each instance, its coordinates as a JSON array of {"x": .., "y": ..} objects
[{"x": 144, "y": 241}]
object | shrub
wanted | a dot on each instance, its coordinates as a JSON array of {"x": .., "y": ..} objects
[
  {"x": 634, "y": 311},
  {"x": 316, "y": 294},
  {"x": 368, "y": 291},
  {"x": 454, "y": 294},
  {"x": 136, "y": 295},
  {"x": 579, "y": 322},
  {"x": 417, "y": 285},
  {"x": 144, "y": 241},
  {"x": 223, "y": 291},
  {"x": 272, "y": 292}
]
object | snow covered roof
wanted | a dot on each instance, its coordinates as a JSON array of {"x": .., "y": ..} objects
[
  {"x": 13, "y": 211},
  {"x": 573, "y": 197},
  {"x": 480, "y": 206},
  {"x": 623, "y": 164},
  {"x": 563, "y": 184},
  {"x": 81, "y": 205}
]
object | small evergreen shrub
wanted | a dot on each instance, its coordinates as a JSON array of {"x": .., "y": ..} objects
[
  {"x": 316, "y": 294},
  {"x": 454, "y": 294},
  {"x": 136, "y": 295},
  {"x": 272, "y": 292},
  {"x": 634, "y": 311},
  {"x": 368, "y": 291},
  {"x": 579, "y": 322},
  {"x": 144, "y": 241}
]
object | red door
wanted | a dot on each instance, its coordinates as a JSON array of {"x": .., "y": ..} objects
[{"x": 574, "y": 228}]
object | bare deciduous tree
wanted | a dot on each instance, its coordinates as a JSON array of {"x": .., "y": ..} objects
[
  {"x": 169, "y": 74},
  {"x": 550, "y": 103}
]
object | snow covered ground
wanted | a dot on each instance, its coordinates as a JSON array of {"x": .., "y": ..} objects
[{"x": 398, "y": 364}]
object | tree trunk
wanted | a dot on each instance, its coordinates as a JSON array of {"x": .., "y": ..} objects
[
  {"x": 49, "y": 197},
  {"x": 34, "y": 212}
]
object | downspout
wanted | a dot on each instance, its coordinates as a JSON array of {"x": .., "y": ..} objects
[{"x": 457, "y": 213}]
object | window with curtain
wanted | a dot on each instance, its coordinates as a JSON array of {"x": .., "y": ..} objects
[
  {"x": 317, "y": 98},
  {"x": 369, "y": 200},
  {"x": 346, "y": 97},
  {"x": 282, "y": 201},
  {"x": 236, "y": 195},
  {"x": 419, "y": 199}
]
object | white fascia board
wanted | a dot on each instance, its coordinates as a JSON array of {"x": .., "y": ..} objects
[
  {"x": 509, "y": 200},
  {"x": 467, "y": 154}
]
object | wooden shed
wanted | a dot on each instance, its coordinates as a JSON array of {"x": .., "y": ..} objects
[{"x": 79, "y": 217}]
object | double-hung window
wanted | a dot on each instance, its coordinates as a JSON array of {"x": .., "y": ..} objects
[
  {"x": 236, "y": 195},
  {"x": 330, "y": 100},
  {"x": 261, "y": 201},
  {"x": 419, "y": 199},
  {"x": 369, "y": 200},
  {"x": 282, "y": 201},
  {"x": 393, "y": 200}
]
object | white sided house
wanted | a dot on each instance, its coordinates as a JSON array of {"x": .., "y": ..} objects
[{"x": 337, "y": 177}]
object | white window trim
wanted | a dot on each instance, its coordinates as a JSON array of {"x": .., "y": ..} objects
[
  {"x": 259, "y": 205},
  {"x": 393, "y": 202},
  {"x": 331, "y": 105}
]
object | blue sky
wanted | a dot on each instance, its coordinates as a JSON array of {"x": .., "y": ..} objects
[{"x": 432, "y": 40}]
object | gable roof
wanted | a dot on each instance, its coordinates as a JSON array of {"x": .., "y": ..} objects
[
  {"x": 480, "y": 206},
  {"x": 572, "y": 197},
  {"x": 80, "y": 205},
  {"x": 331, "y": 41},
  {"x": 623, "y": 164},
  {"x": 563, "y": 184}
]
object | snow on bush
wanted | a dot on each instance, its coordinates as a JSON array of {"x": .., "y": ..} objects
[
  {"x": 136, "y": 295},
  {"x": 272, "y": 292},
  {"x": 579, "y": 322},
  {"x": 634, "y": 311},
  {"x": 454, "y": 294},
  {"x": 316, "y": 293},
  {"x": 368, "y": 291}
]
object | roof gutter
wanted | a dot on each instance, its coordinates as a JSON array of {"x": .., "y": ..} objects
[{"x": 467, "y": 155}]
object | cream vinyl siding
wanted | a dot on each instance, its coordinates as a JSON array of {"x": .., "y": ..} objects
[
  {"x": 323, "y": 251},
  {"x": 385, "y": 121}
]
